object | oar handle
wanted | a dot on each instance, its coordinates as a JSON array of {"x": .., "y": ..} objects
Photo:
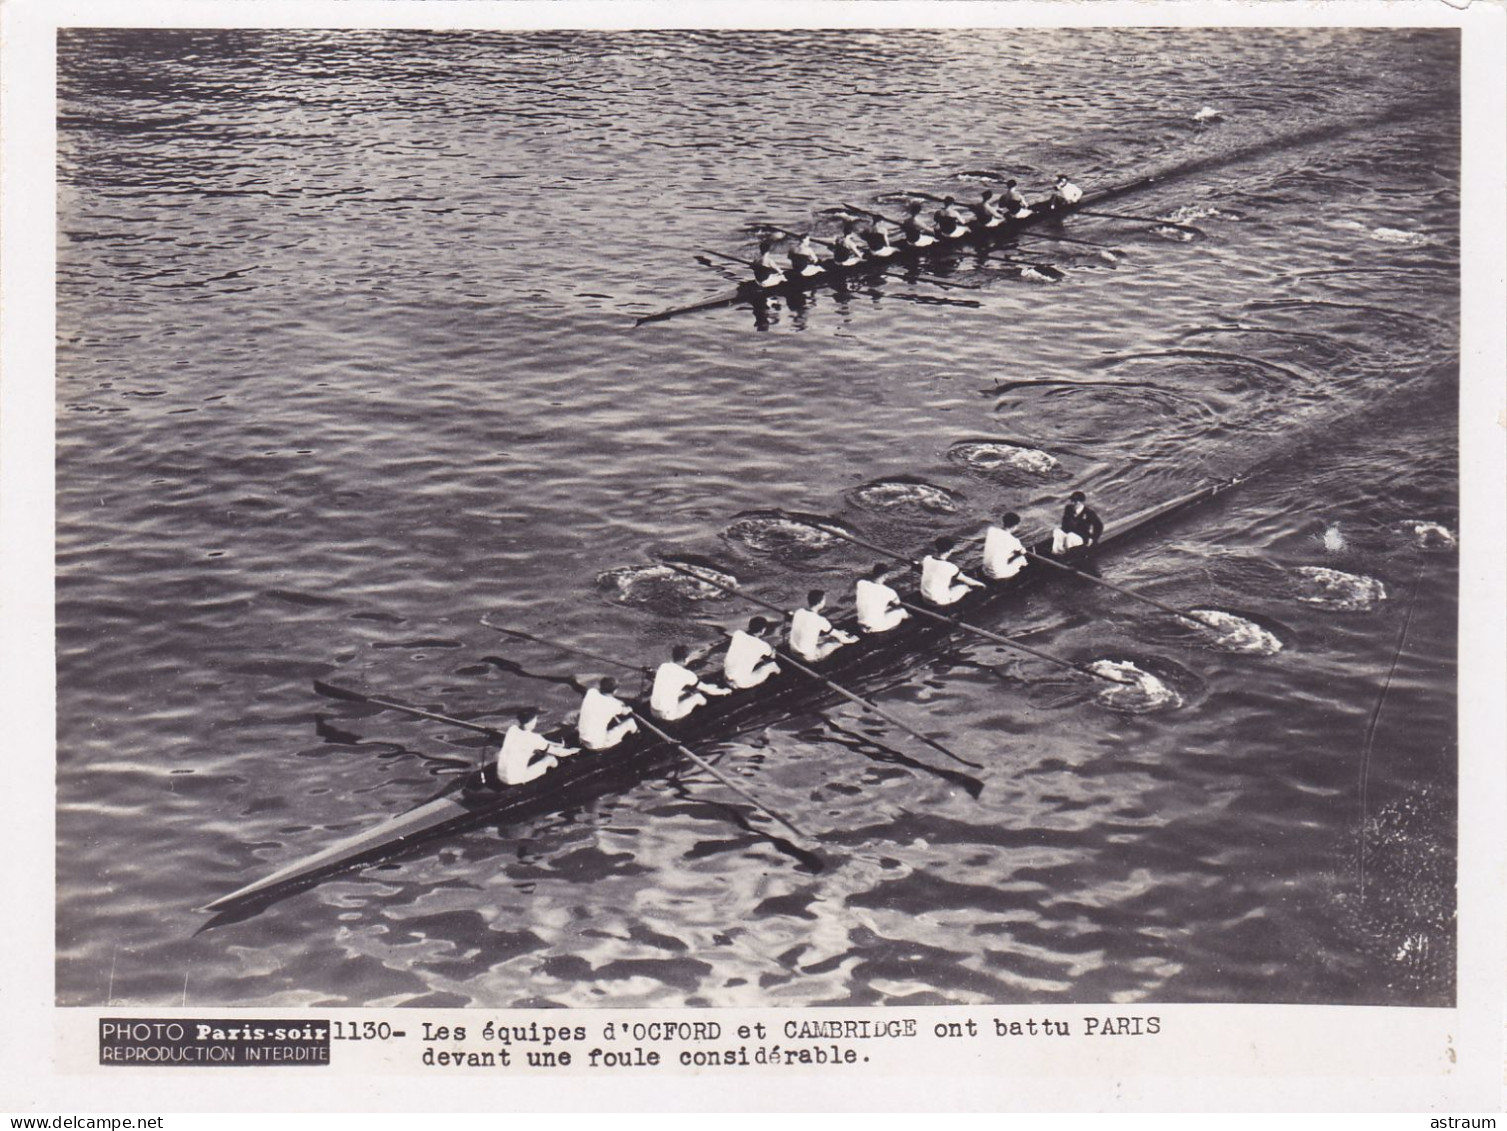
[
  {"x": 716, "y": 773},
  {"x": 1111, "y": 585},
  {"x": 724, "y": 255}
]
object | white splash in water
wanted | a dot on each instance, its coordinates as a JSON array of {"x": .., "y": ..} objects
[
  {"x": 985, "y": 456},
  {"x": 1397, "y": 235},
  {"x": 641, "y": 585},
  {"x": 1236, "y": 634},
  {"x": 1333, "y": 538},
  {"x": 1335, "y": 589},
  {"x": 901, "y": 494},
  {"x": 1035, "y": 276},
  {"x": 1431, "y": 535},
  {"x": 1138, "y": 692},
  {"x": 1208, "y": 114}
]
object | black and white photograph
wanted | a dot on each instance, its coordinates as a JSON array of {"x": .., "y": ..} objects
[{"x": 712, "y": 518}]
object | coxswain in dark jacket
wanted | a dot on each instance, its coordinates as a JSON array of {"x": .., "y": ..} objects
[{"x": 1080, "y": 525}]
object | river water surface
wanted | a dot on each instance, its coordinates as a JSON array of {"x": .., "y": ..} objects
[{"x": 347, "y": 364}]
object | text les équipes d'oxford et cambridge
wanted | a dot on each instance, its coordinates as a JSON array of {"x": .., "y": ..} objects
[{"x": 712, "y": 1044}]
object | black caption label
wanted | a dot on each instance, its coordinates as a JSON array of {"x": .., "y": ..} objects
[{"x": 179, "y": 1042}]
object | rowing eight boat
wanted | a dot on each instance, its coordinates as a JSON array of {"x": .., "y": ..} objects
[
  {"x": 475, "y": 800},
  {"x": 796, "y": 285}
]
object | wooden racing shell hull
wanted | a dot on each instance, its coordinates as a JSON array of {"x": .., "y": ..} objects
[{"x": 587, "y": 775}]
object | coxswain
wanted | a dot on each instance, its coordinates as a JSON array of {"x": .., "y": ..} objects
[
  {"x": 677, "y": 689},
  {"x": 1013, "y": 203},
  {"x": 765, "y": 269},
  {"x": 1004, "y": 553},
  {"x": 526, "y": 754},
  {"x": 879, "y": 608},
  {"x": 850, "y": 249},
  {"x": 1065, "y": 194},
  {"x": 1080, "y": 525},
  {"x": 811, "y": 634},
  {"x": 942, "y": 582},
  {"x": 949, "y": 222},
  {"x": 749, "y": 659},
  {"x": 916, "y": 233},
  {"x": 804, "y": 260},
  {"x": 986, "y": 213},
  {"x": 605, "y": 720}
]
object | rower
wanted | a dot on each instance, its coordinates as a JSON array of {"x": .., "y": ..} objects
[
  {"x": 1004, "y": 553},
  {"x": 850, "y": 249},
  {"x": 1065, "y": 194},
  {"x": 1080, "y": 525},
  {"x": 766, "y": 271},
  {"x": 916, "y": 233},
  {"x": 811, "y": 634},
  {"x": 749, "y": 659},
  {"x": 949, "y": 222},
  {"x": 1013, "y": 203},
  {"x": 677, "y": 689},
  {"x": 942, "y": 583},
  {"x": 986, "y": 213},
  {"x": 877, "y": 237},
  {"x": 804, "y": 259},
  {"x": 605, "y": 720},
  {"x": 879, "y": 608},
  {"x": 526, "y": 754}
]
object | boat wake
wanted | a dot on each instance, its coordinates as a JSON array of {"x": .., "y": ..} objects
[
  {"x": 1236, "y": 634},
  {"x": 1139, "y": 692},
  {"x": 1335, "y": 589}
]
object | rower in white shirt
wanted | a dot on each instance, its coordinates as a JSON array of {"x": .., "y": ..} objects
[
  {"x": 1004, "y": 553},
  {"x": 812, "y": 636},
  {"x": 526, "y": 754},
  {"x": 605, "y": 720},
  {"x": 878, "y": 605},
  {"x": 677, "y": 689},
  {"x": 942, "y": 582},
  {"x": 749, "y": 659},
  {"x": 1065, "y": 194}
]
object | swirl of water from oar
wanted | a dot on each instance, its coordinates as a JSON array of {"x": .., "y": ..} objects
[
  {"x": 1231, "y": 633},
  {"x": 1135, "y": 692},
  {"x": 1336, "y": 589}
]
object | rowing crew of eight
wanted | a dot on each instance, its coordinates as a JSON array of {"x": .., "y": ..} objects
[
  {"x": 750, "y": 658},
  {"x": 949, "y": 222}
]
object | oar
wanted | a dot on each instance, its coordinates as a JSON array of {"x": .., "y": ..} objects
[
  {"x": 724, "y": 255},
  {"x": 1140, "y": 220},
  {"x": 703, "y": 763},
  {"x": 329, "y": 690},
  {"x": 1185, "y": 615},
  {"x": 608, "y": 660},
  {"x": 973, "y": 628},
  {"x": 1063, "y": 239},
  {"x": 1069, "y": 665},
  {"x": 854, "y": 697},
  {"x": 716, "y": 773}
]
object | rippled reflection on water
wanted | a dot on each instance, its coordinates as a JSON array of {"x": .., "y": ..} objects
[{"x": 345, "y": 363}]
